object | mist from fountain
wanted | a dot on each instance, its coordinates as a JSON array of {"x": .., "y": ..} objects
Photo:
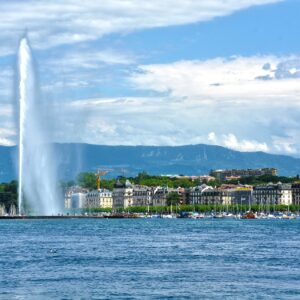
[{"x": 38, "y": 192}]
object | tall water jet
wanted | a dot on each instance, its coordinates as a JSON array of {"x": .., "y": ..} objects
[{"x": 37, "y": 171}]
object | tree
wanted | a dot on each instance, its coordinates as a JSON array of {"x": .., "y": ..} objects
[
  {"x": 8, "y": 194},
  {"x": 173, "y": 198},
  {"x": 87, "y": 180}
]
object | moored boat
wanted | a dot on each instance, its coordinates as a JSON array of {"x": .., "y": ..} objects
[{"x": 249, "y": 215}]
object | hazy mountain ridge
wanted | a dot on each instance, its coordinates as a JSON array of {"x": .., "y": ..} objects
[{"x": 129, "y": 160}]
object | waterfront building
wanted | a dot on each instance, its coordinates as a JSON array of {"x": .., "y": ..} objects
[
  {"x": 126, "y": 194},
  {"x": 182, "y": 195},
  {"x": 71, "y": 191},
  {"x": 142, "y": 195},
  {"x": 159, "y": 195},
  {"x": 242, "y": 196},
  {"x": 268, "y": 194},
  {"x": 223, "y": 175},
  {"x": 208, "y": 195},
  {"x": 194, "y": 194},
  {"x": 99, "y": 199},
  {"x": 122, "y": 194},
  {"x": 214, "y": 196},
  {"x": 296, "y": 193},
  {"x": 225, "y": 195}
]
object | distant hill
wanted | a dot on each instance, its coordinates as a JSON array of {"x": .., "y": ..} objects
[{"x": 129, "y": 160}]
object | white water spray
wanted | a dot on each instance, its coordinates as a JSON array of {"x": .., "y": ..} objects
[{"x": 37, "y": 171}]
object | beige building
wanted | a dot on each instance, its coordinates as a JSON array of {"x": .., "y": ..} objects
[
  {"x": 238, "y": 173},
  {"x": 273, "y": 194},
  {"x": 142, "y": 195},
  {"x": 225, "y": 195},
  {"x": 126, "y": 194},
  {"x": 122, "y": 194},
  {"x": 159, "y": 195},
  {"x": 99, "y": 199}
]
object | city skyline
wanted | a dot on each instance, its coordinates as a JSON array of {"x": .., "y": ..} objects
[{"x": 126, "y": 73}]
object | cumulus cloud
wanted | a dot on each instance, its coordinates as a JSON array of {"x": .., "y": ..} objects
[
  {"x": 87, "y": 58},
  {"x": 285, "y": 144},
  {"x": 157, "y": 121},
  {"x": 235, "y": 102},
  {"x": 53, "y": 23},
  {"x": 232, "y": 142},
  {"x": 82, "y": 67},
  {"x": 238, "y": 79},
  {"x": 7, "y": 136},
  {"x": 253, "y": 98},
  {"x": 212, "y": 138},
  {"x": 6, "y": 77},
  {"x": 169, "y": 121},
  {"x": 190, "y": 109}
]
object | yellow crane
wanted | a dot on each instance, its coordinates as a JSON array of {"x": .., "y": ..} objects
[{"x": 98, "y": 175}]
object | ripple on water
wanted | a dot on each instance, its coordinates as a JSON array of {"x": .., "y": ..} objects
[{"x": 134, "y": 259}]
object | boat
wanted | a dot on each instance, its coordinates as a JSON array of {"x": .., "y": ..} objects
[
  {"x": 249, "y": 215},
  {"x": 219, "y": 216},
  {"x": 156, "y": 216},
  {"x": 169, "y": 216}
]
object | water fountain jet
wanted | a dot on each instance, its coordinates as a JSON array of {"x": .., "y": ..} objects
[{"x": 37, "y": 169}]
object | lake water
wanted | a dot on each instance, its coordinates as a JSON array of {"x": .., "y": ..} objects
[{"x": 149, "y": 259}]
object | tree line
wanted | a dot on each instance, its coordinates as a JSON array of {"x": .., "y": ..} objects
[
  {"x": 201, "y": 208},
  {"x": 9, "y": 194},
  {"x": 88, "y": 180}
]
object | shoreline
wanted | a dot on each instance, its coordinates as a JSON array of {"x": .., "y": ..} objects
[
  {"x": 64, "y": 217},
  {"x": 136, "y": 216}
]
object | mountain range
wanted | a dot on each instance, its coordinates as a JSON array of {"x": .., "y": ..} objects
[{"x": 130, "y": 160}]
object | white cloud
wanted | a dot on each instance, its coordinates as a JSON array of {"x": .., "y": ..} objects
[
  {"x": 167, "y": 121},
  {"x": 191, "y": 110},
  {"x": 6, "y": 76},
  {"x": 81, "y": 68},
  {"x": 212, "y": 138},
  {"x": 52, "y": 23},
  {"x": 6, "y": 142},
  {"x": 89, "y": 59},
  {"x": 238, "y": 101},
  {"x": 146, "y": 121},
  {"x": 252, "y": 98},
  {"x": 286, "y": 145},
  {"x": 238, "y": 79},
  {"x": 231, "y": 141},
  {"x": 7, "y": 136}
]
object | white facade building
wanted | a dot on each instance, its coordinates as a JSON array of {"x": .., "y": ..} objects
[
  {"x": 273, "y": 194},
  {"x": 99, "y": 199},
  {"x": 142, "y": 195},
  {"x": 122, "y": 194}
]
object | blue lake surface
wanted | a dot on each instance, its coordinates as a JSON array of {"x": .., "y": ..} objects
[{"x": 149, "y": 259}]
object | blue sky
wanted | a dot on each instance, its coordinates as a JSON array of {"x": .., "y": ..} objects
[{"x": 152, "y": 73}]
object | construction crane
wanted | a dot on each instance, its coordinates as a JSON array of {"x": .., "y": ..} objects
[{"x": 98, "y": 175}]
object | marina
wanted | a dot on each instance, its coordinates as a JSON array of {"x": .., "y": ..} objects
[{"x": 182, "y": 215}]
